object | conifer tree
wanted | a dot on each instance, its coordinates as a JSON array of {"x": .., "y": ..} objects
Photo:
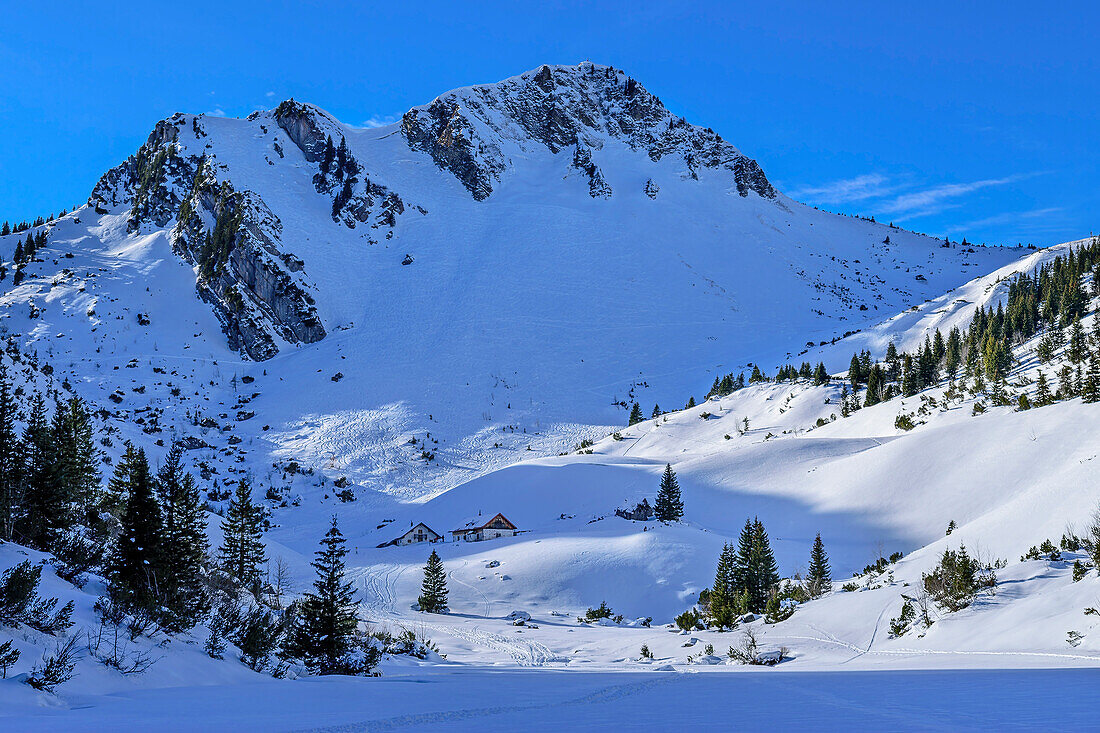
[
  {"x": 690, "y": 403},
  {"x": 11, "y": 459},
  {"x": 764, "y": 571},
  {"x": 325, "y": 626},
  {"x": 137, "y": 561},
  {"x": 433, "y": 591},
  {"x": 45, "y": 509},
  {"x": 742, "y": 566},
  {"x": 656, "y": 411},
  {"x": 1090, "y": 392},
  {"x": 724, "y": 595},
  {"x": 242, "y": 551},
  {"x": 185, "y": 543},
  {"x": 819, "y": 578},
  {"x": 1078, "y": 348},
  {"x": 635, "y": 414},
  {"x": 855, "y": 373},
  {"x": 342, "y": 157},
  {"x": 76, "y": 458},
  {"x": 328, "y": 156},
  {"x": 669, "y": 506},
  {"x": 1043, "y": 396}
]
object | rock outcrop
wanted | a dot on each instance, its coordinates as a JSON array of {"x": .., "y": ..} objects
[
  {"x": 468, "y": 131},
  {"x": 255, "y": 287}
]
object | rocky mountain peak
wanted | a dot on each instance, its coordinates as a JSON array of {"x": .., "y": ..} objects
[{"x": 471, "y": 131}]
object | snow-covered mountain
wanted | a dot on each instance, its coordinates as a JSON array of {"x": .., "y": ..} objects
[
  {"x": 431, "y": 317},
  {"x": 509, "y": 266}
]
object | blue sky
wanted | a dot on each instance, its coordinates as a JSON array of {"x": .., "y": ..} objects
[{"x": 945, "y": 117}]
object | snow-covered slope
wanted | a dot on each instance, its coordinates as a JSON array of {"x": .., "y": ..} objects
[
  {"x": 570, "y": 246},
  {"x": 1007, "y": 479},
  {"x": 508, "y": 269}
]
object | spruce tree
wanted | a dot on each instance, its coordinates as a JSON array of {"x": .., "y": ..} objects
[
  {"x": 855, "y": 373},
  {"x": 45, "y": 509},
  {"x": 1090, "y": 392},
  {"x": 765, "y": 572},
  {"x": 77, "y": 458},
  {"x": 669, "y": 506},
  {"x": 819, "y": 579},
  {"x": 11, "y": 460},
  {"x": 341, "y": 157},
  {"x": 1043, "y": 396},
  {"x": 433, "y": 591},
  {"x": 242, "y": 551},
  {"x": 328, "y": 156},
  {"x": 724, "y": 594},
  {"x": 185, "y": 543},
  {"x": 137, "y": 562},
  {"x": 81, "y": 459},
  {"x": 656, "y": 411},
  {"x": 324, "y": 630},
  {"x": 635, "y": 414},
  {"x": 742, "y": 566}
]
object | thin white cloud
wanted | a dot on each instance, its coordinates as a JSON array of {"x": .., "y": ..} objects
[
  {"x": 217, "y": 112},
  {"x": 936, "y": 199},
  {"x": 1008, "y": 217},
  {"x": 379, "y": 121},
  {"x": 860, "y": 188},
  {"x": 269, "y": 95}
]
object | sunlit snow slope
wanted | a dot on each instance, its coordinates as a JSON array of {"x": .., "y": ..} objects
[{"x": 570, "y": 246}]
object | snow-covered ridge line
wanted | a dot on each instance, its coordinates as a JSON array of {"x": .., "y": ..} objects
[{"x": 474, "y": 131}]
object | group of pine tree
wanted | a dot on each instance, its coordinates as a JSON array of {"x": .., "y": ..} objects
[
  {"x": 144, "y": 532},
  {"x": 25, "y": 250},
  {"x": 747, "y": 580},
  {"x": 1050, "y": 301}
]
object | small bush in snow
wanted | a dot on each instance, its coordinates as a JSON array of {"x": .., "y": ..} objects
[
  {"x": 1079, "y": 570},
  {"x": 688, "y": 620},
  {"x": 55, "y": 669},
  {"x": 8, "y": 657},
  {"x": 957, "y": 579},
  {"x": 646, "y": 654},
  {"x": 904, "y": 422},
  {"x": 595, "y": 614},
  {"x": 901, "y": 623},
  {"x": 748, "y": 652},
  {"x": 21, "y": 604}
]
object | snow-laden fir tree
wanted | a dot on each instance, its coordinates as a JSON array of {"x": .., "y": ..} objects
[
  {"x": 433, "y": 591},
  {"x": 819, "y": 579},
  {"x": 242, "y": 551},
  {"x": 324, "y": 630},
  {"x": 669, "y": 506}
]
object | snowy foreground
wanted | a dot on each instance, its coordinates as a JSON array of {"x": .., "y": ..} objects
[
  {"x": 457, "y": 381},
  {"x": 918, "y": 700}
]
